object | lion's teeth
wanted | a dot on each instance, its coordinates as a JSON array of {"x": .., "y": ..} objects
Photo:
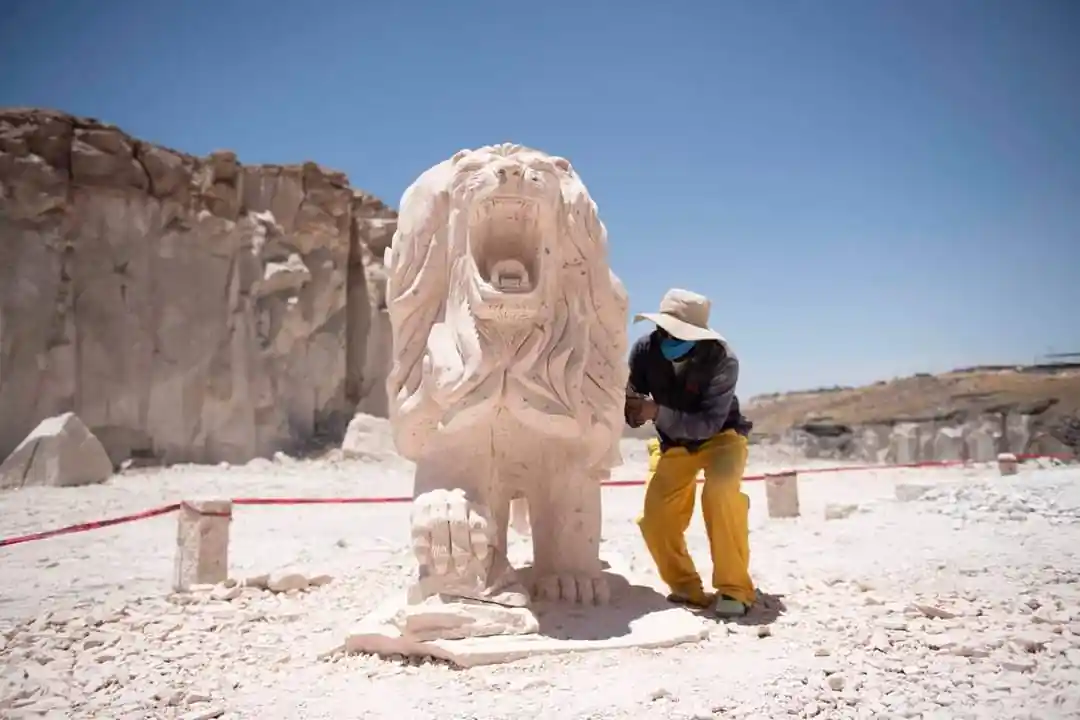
[{"x": 510, "y": 275}]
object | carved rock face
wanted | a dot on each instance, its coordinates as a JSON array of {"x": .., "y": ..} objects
[
  {"x": 506, "y": 244},
  {"x": 188, "y": 309},
  {"x": 507, "y": 386},
  {"x": 507, "y": 203},
  {"x": 502, "y": 304}
]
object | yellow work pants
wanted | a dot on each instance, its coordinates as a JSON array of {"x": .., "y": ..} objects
[{"x": 669, "y": 506}]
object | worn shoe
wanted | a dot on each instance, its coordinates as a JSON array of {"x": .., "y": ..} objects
[
  {"x": 697, "y": 599},
  {"x": 728, "y": 607}
]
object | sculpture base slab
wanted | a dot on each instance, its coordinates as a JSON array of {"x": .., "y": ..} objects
[{"x": 637, "y": 617}]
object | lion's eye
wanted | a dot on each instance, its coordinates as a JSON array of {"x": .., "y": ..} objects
[{"x": 471, "y": 167}]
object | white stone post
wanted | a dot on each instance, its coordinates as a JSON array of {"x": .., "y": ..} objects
[
  {"x": 1008, "y": 464},
  {"x": 202, "y": 543},
  {"x": 782, "y": 494}
]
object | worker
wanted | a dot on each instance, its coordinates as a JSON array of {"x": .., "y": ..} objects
[{"x": 682, "y": 378}]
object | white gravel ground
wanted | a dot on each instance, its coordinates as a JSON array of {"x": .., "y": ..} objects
[{"x": 963, "y": 603}]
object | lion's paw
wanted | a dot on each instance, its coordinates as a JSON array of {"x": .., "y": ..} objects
[
  {"x": 449, "y": 534},
  {"x": 579, "y": 589}
]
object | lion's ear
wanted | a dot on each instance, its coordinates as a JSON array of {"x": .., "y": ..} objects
[
  {"x": 457, "y": 156},
  {"x": 563, "y": 164}
]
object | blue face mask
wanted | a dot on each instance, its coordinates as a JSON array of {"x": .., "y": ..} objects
[{"x": 673, "y": 348}]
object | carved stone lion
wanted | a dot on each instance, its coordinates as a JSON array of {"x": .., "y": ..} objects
[{"x": 509, "y": 372}]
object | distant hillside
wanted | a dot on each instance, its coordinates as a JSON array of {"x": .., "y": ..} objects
[
  {"x": 1044, "y": 398},
  {"x": 1054, "y": 390},
  {"x": 966, "y": 414}
]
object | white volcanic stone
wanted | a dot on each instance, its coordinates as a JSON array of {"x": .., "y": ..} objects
[
  {"x": 59, "y": 452},
  {"x": 508, "y": 380}
]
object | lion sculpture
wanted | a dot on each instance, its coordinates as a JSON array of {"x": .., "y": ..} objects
[{"x": 509, "y": 373}]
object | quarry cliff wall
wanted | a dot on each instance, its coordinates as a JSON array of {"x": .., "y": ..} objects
[{"x": 186, "y": 308}]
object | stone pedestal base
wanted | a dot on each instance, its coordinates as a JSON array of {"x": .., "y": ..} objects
[
  {"x": 468, "y": 635},
  {"x": 202, "y": 543},
  {"x": 782, "y": 494}
]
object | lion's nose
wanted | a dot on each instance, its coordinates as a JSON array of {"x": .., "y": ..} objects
[{"x": 507, "y": 173}]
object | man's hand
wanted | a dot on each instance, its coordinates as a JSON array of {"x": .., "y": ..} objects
[
  {"x": 632, "y": 411},
  {"x": 639, "y": 410},
  {"x": 649, "y": 409}
]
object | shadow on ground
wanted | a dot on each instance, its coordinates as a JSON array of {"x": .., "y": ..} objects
[
  {"x": 765, "y": 610},
  {"x": 601, "y": 622},
  {"x": 629, "y": 602}
]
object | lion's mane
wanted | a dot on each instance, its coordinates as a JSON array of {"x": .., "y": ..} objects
[{"x": 575, "y": 360}]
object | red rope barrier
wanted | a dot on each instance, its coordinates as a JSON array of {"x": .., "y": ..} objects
[
  {"x": 205, "y": 513},
  {"x": 92, "y": 525},
  {"x": 320, "y": 501},
  {"x": 819, "y": 471},
  {"x": 166, "y": 509}
]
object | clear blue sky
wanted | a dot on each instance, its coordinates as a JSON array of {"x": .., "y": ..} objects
[{"x": 865, "y": 189}]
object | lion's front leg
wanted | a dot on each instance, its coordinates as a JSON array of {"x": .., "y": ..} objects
[
  {"x": 458, "y": 528},
  {"x": 564, "y": 507},
  {"x": 452, "y": 540}
]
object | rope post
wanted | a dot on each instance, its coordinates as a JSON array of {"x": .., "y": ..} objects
[
  {"x": 202, "y": 543},
  {"x": 1008, "y": 464},
  {"x": 782, "y": 494}
]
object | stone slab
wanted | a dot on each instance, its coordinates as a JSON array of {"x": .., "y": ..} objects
[{"x": 638, "y": 617}]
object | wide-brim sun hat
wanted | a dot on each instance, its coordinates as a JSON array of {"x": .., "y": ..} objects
[{"x": 684, "y": 315}]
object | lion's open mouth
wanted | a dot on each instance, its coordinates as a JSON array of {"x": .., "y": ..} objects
[{"x": 506, "y": 237}]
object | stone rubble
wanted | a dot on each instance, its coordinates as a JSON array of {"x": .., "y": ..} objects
[
  {"x": 839, "y": 511},
  {"x": 935, "y": 657},
  {"x": 152, "y": 655},
  {"x": 185, "y": 656},
  {"x": 940, "y": 607},
  {"x": 989, "y": 503}
]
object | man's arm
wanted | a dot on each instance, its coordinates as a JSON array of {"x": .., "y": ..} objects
[
  {"x": 715, "y": 404},
  {"x": 638, "y": 382},
  {"x": 637, "y": 385}
]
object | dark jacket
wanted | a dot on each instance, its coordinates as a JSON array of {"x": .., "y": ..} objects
[{"x": 697, "y": 400}]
